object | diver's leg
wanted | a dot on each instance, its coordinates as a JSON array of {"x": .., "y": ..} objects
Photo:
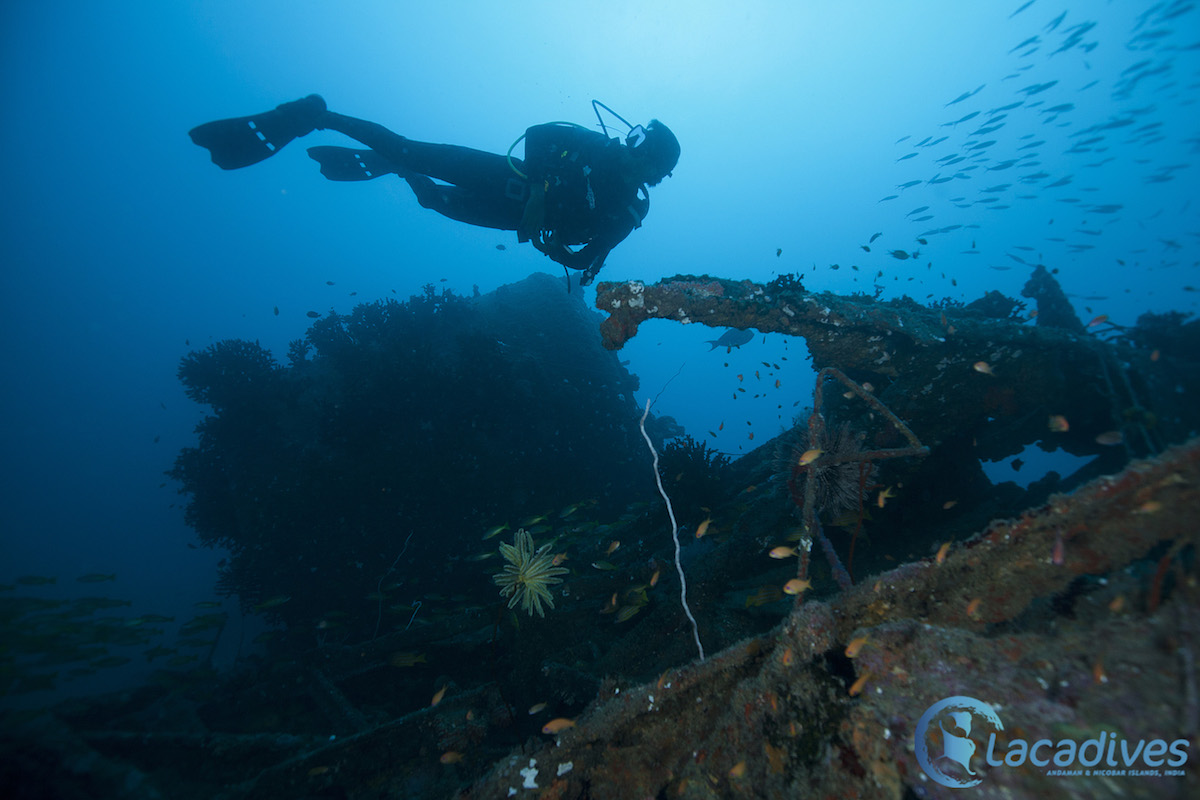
[
  {"x": 486, "y": 191},
  {"x": 386, "y": 143},
  {"x": 485, "y": 210},
  {"x": 462, "y": 166}
]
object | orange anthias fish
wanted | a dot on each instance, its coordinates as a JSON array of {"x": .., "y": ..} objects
[
  {"x": 557, "y": 725},
  {"x": 437, "y": 698},
  {"x": 703, "y": 529},
  {"x": 1058, "y": 424},
  {"x": 855, "y": 647},
  {"x": 783, "y": 551},
  {"x": 809, "y": 456},
  {"x": 884, "y": 496},
  {"x": 796, "y": 586},
  {"x": 1100, "y": 320},
  {"x": 983, "y": 367}
]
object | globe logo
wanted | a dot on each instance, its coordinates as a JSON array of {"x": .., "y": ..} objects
[{"x": 943, "y": 744}]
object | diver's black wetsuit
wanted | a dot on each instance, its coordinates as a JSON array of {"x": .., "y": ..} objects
[
  {"x": 484, "y": 190},
  {"x": 579, "y": 194},
  {"x": 568, "y": 191},
  {"x": 574, "y": 187}
]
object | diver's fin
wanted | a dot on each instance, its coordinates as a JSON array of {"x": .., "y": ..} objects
[
  {"x": 242, "y": 141},
  {"x": 348, "y": 164}
]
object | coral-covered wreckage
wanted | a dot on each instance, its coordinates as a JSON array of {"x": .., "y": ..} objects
[{"x": 1070, "y": 605}]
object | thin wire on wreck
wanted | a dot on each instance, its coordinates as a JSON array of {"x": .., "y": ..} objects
[{"x": 674, "y": 531}]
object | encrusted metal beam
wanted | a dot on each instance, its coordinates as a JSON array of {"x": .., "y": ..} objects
[{"x": 942, "y": 369}]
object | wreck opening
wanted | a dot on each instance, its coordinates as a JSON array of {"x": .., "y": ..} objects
[
  {"x": 1035, "y": 462},
  {"x": 734, "y": 397}
]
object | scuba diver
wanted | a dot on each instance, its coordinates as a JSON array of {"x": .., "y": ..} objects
[{"x": 574, "y": 186}]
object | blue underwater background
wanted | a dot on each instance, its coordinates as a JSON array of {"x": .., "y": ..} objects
[{"x": 938, "y": 150}]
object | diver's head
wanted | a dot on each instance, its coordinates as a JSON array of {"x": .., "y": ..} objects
[{"x": 656, "y": 147}]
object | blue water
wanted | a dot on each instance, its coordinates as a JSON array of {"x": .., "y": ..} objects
[{"x": 124, "y": 247}]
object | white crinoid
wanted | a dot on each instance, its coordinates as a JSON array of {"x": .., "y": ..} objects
[{"x": 528, "y": 575}]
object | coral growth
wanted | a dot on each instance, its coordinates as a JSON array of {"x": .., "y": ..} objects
[
  {"x": 528, "y": 575},
  {"x": 428, "y": 415},
  {"x": 840, "y": 474},
  {"x": 229, "y": 373},
  {"x": 826, "y": 705},
  {"x": 698, "y": 473}
]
